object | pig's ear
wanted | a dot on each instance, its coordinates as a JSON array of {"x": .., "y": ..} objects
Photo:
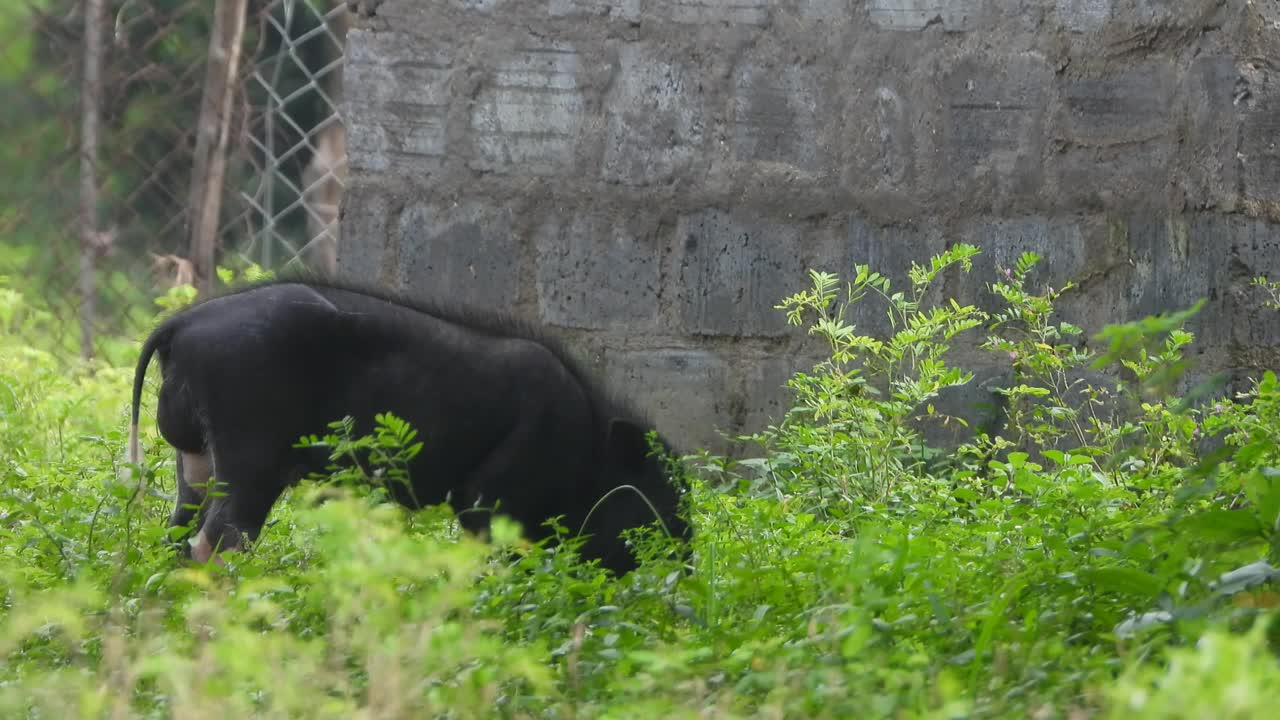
[{"x": 627, "y": 444}]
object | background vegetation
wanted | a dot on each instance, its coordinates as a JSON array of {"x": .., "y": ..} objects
[
  {"x": 1105, "y": 552},
  {"x": 152, "y": 76}
]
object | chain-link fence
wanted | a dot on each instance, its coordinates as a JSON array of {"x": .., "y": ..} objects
[{"x": 147, "y": 142}]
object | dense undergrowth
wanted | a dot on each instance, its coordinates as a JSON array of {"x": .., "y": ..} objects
[{"x": 1103, "y": 552}]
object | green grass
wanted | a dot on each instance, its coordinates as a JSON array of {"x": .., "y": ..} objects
[{"x": 1074, "y": 565}]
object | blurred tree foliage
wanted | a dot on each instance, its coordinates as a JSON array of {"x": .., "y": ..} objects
[{"x": 153, "y": 71}]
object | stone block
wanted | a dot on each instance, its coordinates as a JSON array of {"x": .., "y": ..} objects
[
  {"x": 388, "y": 69},
  {"x": 733, "y": 269},
  {"x": 775, "y": 115},
  {"x": 745, "y": 12},
  {"x": 1254, "y": 248},
  {"x": 1131, "y": 23},
  {"x": 528, "y": 116},
  {"x": 914, "y": 15},
  {"x": 767, "y": 396},
  {"x": 596, "y": 273},
  {"x": 994, "y": 116},
  {"x": 1109, "y": 177},
  {"x": 1255, "y": 242},
  {"x": 656, "y": 119},
  {"x": 628, "y": 10},
  {"x": 366, "y": 214},
  {"x": 1083, "y": 16},
  {"x": 1059, "y": 243},
  {"x": 464, "y": 253},
  {"x": 1259, "y": 95},
  {"x": 1177, "y": 261},
  {"x": 396, "y": 102},
  {"x": 1213, "y": 173},
  {"x": 889, "y": 250},
  {"x": 1118, "y": 109},
  {"x": 684, "y": 392},
  {"x": 381, "y": 140},
  {"x": 825, "y": 10},
  {"x": 885, "y": 141},
  {"x": 1268, "y": 11}
]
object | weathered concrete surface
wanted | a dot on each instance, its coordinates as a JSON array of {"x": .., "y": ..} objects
[{"x": 652, "y": 177}]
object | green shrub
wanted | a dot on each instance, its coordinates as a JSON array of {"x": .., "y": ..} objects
[{"x": 1107, "y": 551}]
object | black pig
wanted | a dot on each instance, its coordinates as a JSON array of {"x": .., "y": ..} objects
[{"x": 505, "y": 416}]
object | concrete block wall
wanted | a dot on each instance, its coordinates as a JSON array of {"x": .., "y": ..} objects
[{"x": 651, "y": 177}]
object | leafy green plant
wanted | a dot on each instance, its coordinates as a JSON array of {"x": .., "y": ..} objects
[
  {"x": 1223, "y": 676},
  {"x": 1045, "y": 400},
  {"x": 184, "y": 294},
  {"x": 177, "y": 297},
  {"x": 854, "y": 414},
  {"x": 1271, "y": 287},
  {"x": 380, "y": 460}
]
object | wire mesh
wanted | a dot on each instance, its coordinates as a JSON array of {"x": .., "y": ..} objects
[{"x": 128, "y": 158}]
